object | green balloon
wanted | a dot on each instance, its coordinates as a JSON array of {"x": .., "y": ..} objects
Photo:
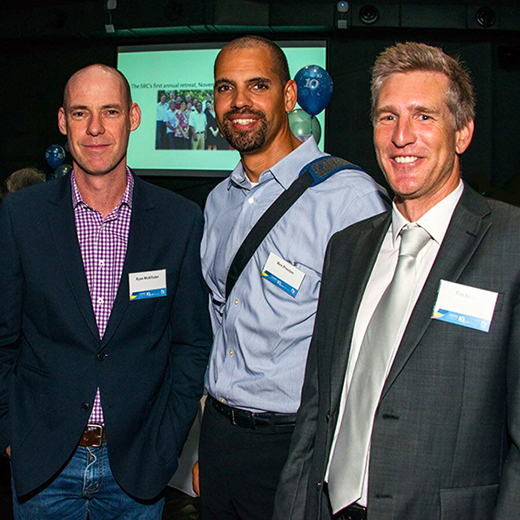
[
  {"x": 302, "y": 123},
  {"x": 62, "y": 169}
]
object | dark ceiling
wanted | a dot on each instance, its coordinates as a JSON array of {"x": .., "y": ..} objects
[{"x": 33, "y": 19}]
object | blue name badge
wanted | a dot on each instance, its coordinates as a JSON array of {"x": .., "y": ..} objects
[
  {"x": 465, "y": 306},
  {"x": 147, "y": 284},
  {"x": 283, "y": 274},
  {"x": 280, "y": 283},
  {"x": 462, "y": 319}
]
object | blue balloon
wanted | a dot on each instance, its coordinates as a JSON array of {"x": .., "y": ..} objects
[
  {"x": 314, "y": 88},
  {"x": 55, "y": 155}
]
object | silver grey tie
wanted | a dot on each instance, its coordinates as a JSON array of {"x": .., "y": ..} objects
[{"x": 348, "y": 465}]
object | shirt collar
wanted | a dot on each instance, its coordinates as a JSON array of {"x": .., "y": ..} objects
[
  {"x": 125, "y": 199},
  {"x": 285, "y": 170},
  {"x": 435, "y": 221}
]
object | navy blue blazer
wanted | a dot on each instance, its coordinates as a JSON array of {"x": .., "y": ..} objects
[{"x": 150, "y": 364}]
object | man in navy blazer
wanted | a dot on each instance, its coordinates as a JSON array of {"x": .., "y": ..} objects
[
  {"x": 104, "y": 330},
  {"x": 443, "y": 434}
]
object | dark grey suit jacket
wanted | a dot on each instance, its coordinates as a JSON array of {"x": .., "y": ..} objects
[
  {"x": 149, "y": 365},
  {"x": 446, "y": 436}
]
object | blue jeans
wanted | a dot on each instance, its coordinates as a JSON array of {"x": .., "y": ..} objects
[{"x": 85, "y": 485}]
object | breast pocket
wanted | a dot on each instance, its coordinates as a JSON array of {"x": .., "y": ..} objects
[
  {"x": 311, "y": 282},
  {"x": 476, "y": 502}
]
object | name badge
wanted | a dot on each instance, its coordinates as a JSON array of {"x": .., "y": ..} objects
[
  {"x": 464, "y": 305},
  {"x": 148, "y": 284},
  {"x": 283, "y": 274}
]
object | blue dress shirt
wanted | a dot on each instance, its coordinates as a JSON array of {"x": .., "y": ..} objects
[{"x": 262, "y": 333}]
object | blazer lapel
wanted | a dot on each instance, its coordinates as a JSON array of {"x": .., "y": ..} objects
[
  {"x": 137, "y": 251},
  {"x": 355, "y": 280},
  {"x": 467, "y": 228},
  {"x": 60, "y": 218}
]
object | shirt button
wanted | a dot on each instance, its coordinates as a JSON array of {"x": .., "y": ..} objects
[
  {"x": 85, "y": 406},
  {"x": 231, "y": 352},
  {"x": 101, "y": 263},
  {"x": 100, "y": 300},
  {"x": 250, "y": 200},
  {"x": 237, "y": 301},
  {"x": 222, "y": 400}
]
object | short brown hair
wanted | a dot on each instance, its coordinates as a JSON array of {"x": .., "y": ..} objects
[
  {"x": 413, "y": 56},
  {"x": 21, "y": 179}
]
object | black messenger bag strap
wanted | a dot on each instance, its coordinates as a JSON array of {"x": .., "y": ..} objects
[{"x": 312, "y": 174}]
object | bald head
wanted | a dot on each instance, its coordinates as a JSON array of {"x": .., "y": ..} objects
[
  {"x": 279, "y": 60},
  {"x": 106, "y": 69}
]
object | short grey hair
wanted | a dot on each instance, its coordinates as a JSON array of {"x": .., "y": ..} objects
[{"x": 412, "y": 57}]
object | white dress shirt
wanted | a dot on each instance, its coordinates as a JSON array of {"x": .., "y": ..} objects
[{"x": 435, "y": 222}]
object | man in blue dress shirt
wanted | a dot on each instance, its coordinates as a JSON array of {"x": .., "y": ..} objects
[{"x": 263, "y": 330}]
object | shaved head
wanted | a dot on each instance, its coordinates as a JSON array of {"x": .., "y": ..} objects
[
  {"x": 109, "y": 70},
  {"x": 279, "y": 60}
]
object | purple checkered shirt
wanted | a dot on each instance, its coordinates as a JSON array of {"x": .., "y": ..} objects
[{"x": 103, "y": 245}]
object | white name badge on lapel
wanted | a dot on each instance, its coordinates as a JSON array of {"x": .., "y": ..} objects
[
  {"x": 464, "y": 305},
  {"x": 283, "y": 274},
  {"x": 148, "y": 284}
]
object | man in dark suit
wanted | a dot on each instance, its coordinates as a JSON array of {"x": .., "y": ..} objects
[
  {"x": 410, "y": 406},
  {"x": 104, "y": 332}
]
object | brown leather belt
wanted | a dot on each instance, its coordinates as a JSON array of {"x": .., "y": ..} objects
[{"x": 93, "y": 435}]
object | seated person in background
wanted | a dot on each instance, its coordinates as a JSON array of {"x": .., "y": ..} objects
[{"x": 21, "y": 179}]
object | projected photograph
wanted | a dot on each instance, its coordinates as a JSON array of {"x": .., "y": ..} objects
[
  {"x": 185, "y": 120},
  {"x": 176, "y": 138}
]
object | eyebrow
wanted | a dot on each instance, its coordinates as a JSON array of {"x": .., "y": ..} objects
[
  {"x": 259, "y": 78},
  {"x": 414, "y": 108},
  {"x": 104, "y": 107}
]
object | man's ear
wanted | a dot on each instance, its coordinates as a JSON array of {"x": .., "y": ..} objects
[
  {"x": 135, "y": 116},
  {"x": 62, "y": 121},
  {"x": 290, "y": 94},
  {"x": 464, "y": 136}
]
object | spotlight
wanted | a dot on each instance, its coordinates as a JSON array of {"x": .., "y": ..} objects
[
  {"x": 486, "y": 17},
  {"x": 368, "y": 14},
  {"x": 342, "y": 7}
]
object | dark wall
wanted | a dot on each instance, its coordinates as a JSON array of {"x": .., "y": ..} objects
[
  {"x": 493, "y": 154},
  {"x": 35, "y": 70},
  {"x": 33, "y": 76}
]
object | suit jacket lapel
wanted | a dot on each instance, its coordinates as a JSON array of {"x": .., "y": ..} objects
[
  {"x": 139, "y": 241},
  {"x": 60, "y": 218},
  {"x": 468, "y": 226},
  {"x": 354, "y": 283}
]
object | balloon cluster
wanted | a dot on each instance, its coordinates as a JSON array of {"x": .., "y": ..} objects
[
  {"x": 314, "y": 91},
  {"x": 55, "y": 156}
]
